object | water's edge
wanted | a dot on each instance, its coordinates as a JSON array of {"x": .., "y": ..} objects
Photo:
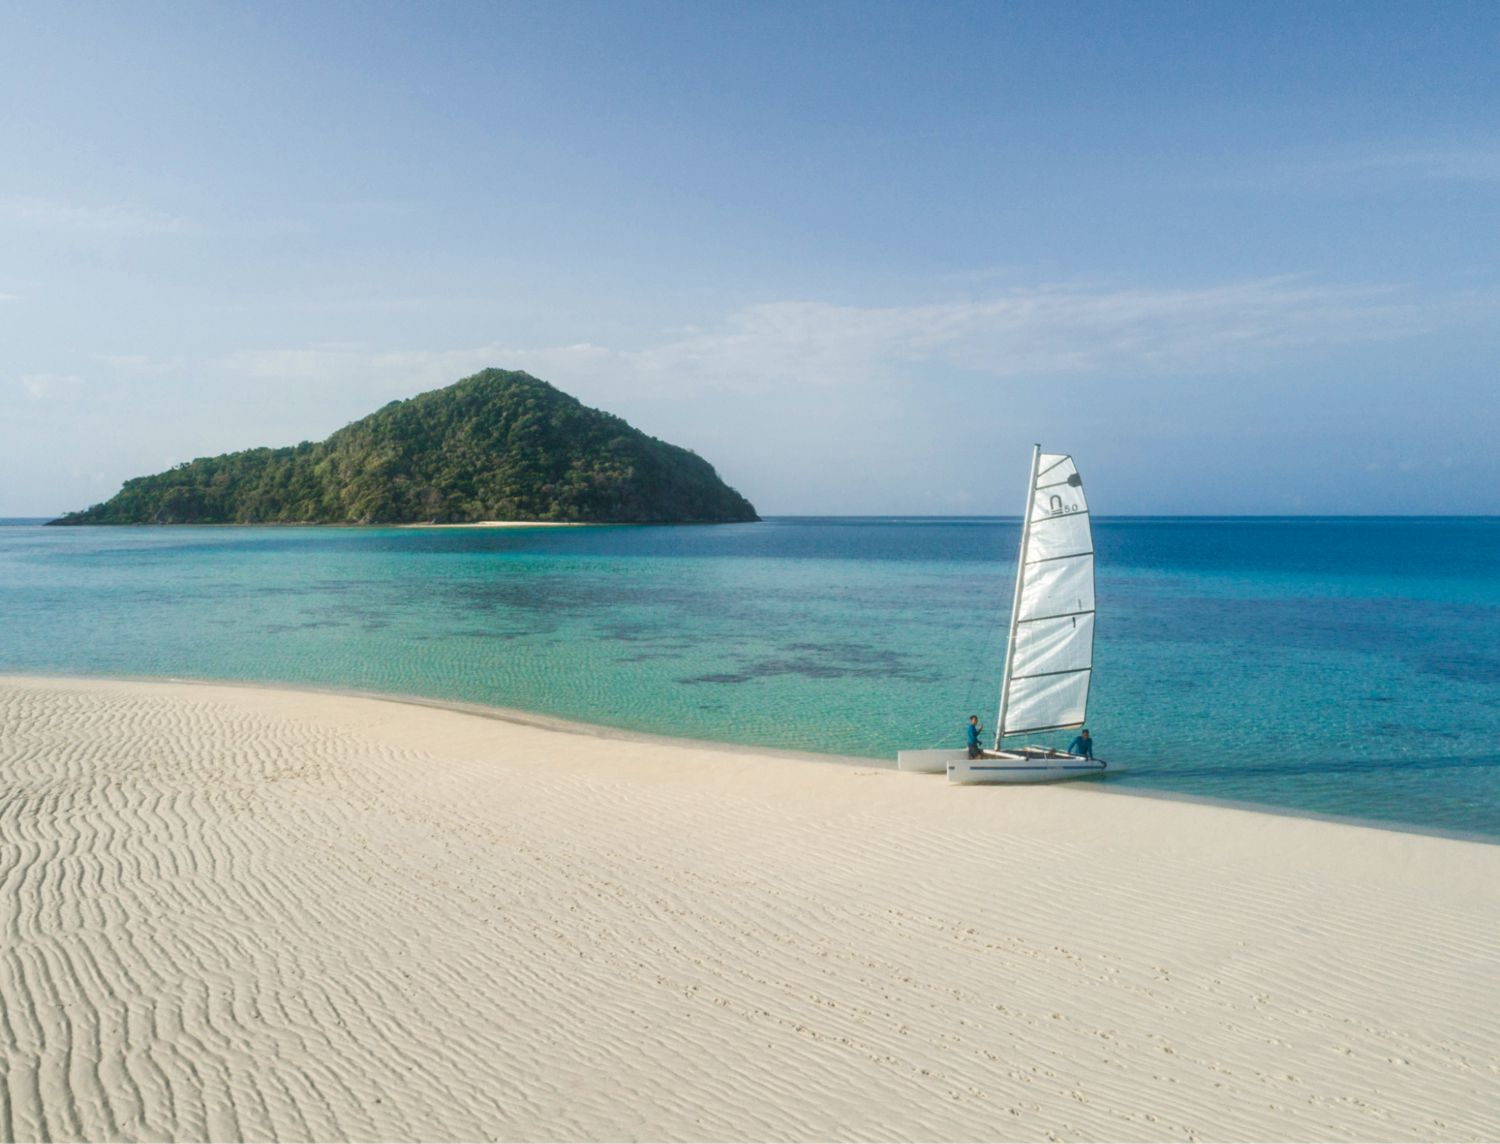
[{"x": 545, "y": 722}]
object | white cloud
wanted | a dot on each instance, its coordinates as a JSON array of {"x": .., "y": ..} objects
[
  {"x": 1341, "y": 169},
  {"x": 1043, "y": 332},
  {"x": 1023, "y": 333},
  {"x": 76, "y": 218},
  {"x": 142, "y": 365},
  {"x": 1471, "y": 164},
  {"x": 338, "y": 363},
  {"x": 39, "y": 385}
]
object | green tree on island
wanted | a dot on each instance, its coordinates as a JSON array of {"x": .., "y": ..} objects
[{"x": 501, "y": 445}]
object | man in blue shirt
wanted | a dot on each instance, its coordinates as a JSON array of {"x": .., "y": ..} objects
[
  {"x": 973, "y": 730},
  {"x": 1082, "y": 745}
]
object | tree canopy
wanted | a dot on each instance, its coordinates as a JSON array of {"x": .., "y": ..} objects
[{"x": 501, "y": 445}]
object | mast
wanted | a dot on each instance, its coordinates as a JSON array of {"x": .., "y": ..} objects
[{"x": 1015, "y": 604}]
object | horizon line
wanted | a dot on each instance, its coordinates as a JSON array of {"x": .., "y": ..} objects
[{"x": 20, "y": 518}]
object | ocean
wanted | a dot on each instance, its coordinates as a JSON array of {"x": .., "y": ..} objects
[{"x": 1334, "y": 666}]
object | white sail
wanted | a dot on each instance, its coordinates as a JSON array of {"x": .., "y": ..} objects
[{"x": 1051, "y": 655}]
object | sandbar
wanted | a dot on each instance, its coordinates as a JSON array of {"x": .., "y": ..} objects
[{"x": 249, "y": 913}]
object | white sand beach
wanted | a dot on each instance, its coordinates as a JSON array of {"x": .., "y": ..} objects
[
  {"x": 246, "y": 913},
  {"x": 508, "y": 524}
]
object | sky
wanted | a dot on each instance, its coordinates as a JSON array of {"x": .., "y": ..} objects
[{"x": 1235, "y": 258}]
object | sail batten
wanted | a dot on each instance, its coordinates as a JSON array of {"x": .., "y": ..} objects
[
  {"x": 1055, "y": 616},
  {"x": 1049, "y": 661},
  {"x": 1049, "y": 559}
]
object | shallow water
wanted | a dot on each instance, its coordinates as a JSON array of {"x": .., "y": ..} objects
[{"x": 1341, "y": 666}]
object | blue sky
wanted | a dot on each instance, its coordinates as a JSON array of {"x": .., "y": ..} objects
[{"x": 1237, "y": 258}]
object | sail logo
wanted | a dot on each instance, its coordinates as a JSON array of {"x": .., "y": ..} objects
[{"x": 1055, "y": 507}]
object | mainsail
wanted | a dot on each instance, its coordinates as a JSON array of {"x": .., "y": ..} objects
[{"x": 1050, "y": 656}]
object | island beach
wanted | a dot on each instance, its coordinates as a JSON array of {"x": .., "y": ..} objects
[
  {"x": 250, "y": 913},
  {"x": 510, "y": 524}
]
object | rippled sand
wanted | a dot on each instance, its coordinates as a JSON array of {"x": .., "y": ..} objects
[{"x": 243, "y": 913}]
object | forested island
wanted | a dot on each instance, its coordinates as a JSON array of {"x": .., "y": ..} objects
[{"x": 501, "y": 445}]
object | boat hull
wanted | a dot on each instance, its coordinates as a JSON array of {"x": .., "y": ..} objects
[
  {"x": 929, "y": 762},
  {"x": 1026, "y": 766}
]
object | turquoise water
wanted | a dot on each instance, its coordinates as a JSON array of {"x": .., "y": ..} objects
[{"x": 1340, "y": 666}]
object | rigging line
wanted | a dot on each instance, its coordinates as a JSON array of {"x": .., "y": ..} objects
[
  {"x": 984, "y": 665},
  {"x": 1015, "y": 602},
  {"x": 944, "y": 728}
]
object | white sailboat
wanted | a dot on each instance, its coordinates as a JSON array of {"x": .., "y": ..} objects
[{"x": 1049, "y": 658}]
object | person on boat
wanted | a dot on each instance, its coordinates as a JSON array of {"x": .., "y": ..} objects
[
  {"x": 973, "y": 731},
  {"x": 1082, "y": 745}
]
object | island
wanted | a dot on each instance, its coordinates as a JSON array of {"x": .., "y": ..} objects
[{"x": 498, "y": 446}]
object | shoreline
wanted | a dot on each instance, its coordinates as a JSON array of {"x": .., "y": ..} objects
[
  {"x": 512, "y": 524},
  {"x": 543, "y": 721},
  {"x": 46, "y": 521},
  {"x": 517, "y": 716},
  {"x": 256, "y": 912},
  {"x": 60, "y": 522}
]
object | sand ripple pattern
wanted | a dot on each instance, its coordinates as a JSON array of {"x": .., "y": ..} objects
[{"x": 248, "y": 914}]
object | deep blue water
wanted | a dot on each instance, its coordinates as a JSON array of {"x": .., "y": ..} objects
[{"x": 1341, "y": 666}]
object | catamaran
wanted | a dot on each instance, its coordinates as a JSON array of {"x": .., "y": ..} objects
[{"x": 1049, "y": 657}]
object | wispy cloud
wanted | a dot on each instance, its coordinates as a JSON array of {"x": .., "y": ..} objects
[
  {"x": 142, "y": 365},
  {"x": 40, "y": 385},
  {"x": 336, "y": 363},
  {"x": 1344, "y": 168},
  {"x": 92, "y": 219},
  {"x": 1053, "y": 331},
  {"x": 1043, "y": 332},
  {"x": 1473, "y": 164}
]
